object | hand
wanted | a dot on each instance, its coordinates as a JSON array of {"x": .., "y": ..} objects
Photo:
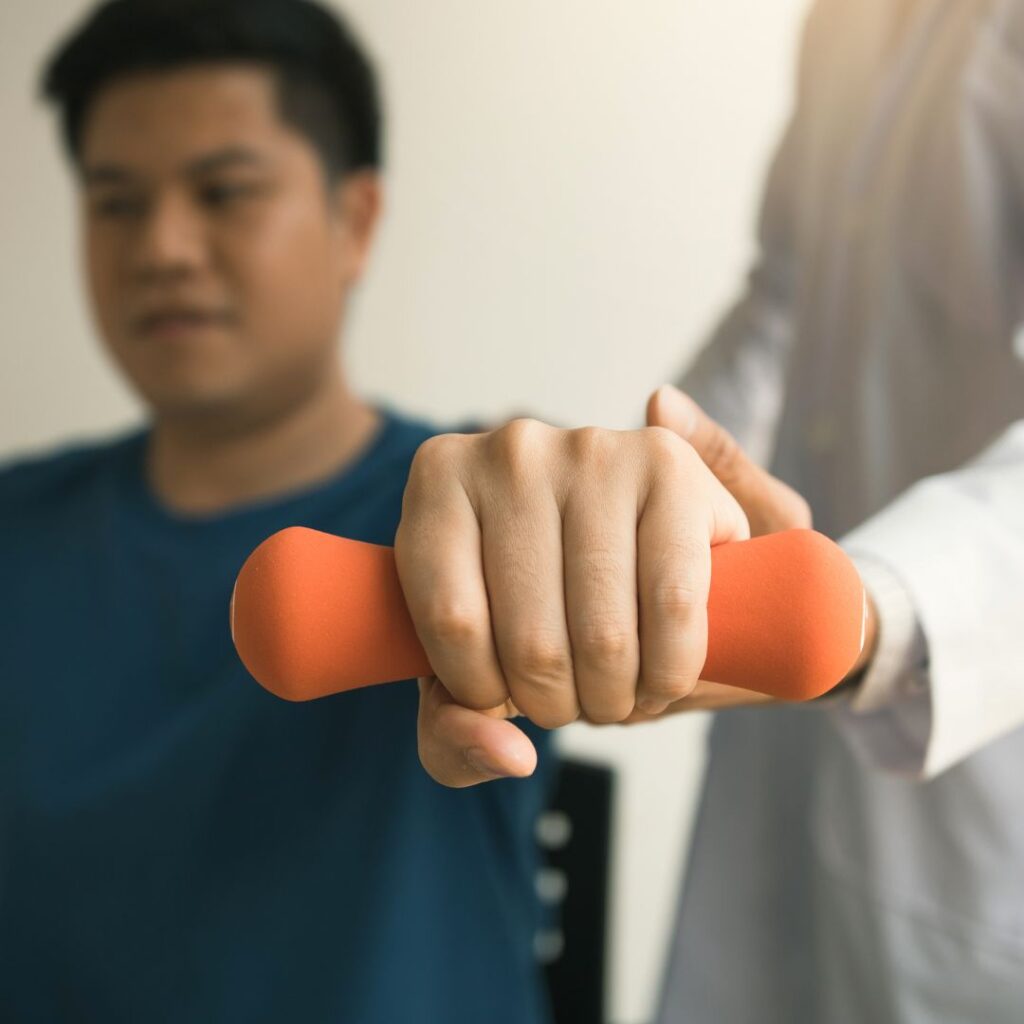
[
  {"x": 562, "y": 574},
  {"x": 770, "y": 506}
]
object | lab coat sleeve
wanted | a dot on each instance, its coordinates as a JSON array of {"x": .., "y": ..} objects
[
  {"x": 739, "y": 376},
  {"x": 945, "y": 563}
]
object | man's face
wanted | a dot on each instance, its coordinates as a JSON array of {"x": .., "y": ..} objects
[{"x": 218, "y": 258}]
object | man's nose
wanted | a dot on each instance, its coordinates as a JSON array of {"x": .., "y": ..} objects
[{"x": 172, "y": 240}]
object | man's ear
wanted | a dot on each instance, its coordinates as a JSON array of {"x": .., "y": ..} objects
[{"x": 358, "y": 200}]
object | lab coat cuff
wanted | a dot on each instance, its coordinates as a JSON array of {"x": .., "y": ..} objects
[
  {"x": 887, "y": 718},
  {"x": 955, "y": 543},
  {"x": 901, "y": 649}
]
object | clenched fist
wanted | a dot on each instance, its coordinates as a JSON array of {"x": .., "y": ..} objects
[{"x": 560, "y": 574}]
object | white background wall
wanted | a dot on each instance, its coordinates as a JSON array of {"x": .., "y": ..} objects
[{"x": 572, "y": 186}]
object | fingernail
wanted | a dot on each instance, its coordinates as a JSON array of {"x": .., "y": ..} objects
[
  {"x": 477, "y": 759},
  {"x": 680, "y": 409}
]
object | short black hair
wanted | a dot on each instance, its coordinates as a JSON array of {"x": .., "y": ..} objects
[{"x": 327, "y": 88}]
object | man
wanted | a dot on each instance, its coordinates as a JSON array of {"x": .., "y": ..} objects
[{"x": 181, "y": 845}]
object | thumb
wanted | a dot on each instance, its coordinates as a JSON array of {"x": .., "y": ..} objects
[
  {"x": 769, "y": 504},
  {"x": 461, "y": 747}
]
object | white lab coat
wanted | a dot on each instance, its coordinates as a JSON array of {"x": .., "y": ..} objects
[{"x": 862, "y": 860}]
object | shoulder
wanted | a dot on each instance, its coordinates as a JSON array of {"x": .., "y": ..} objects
[
  {"x": 366, "y": 500},
  {"x": 405, "y": 432},
  {"x": 35, "y": 482},
  {"x": 418, "y": 428},
  {"x": 411, "y": 430}
]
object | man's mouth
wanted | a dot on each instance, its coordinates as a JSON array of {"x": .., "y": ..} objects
[{"x": 180, "y": 322}]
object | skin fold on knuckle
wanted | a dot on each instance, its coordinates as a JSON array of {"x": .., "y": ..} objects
[
  {"x": 591, "y": 450},
  {"x": 672, "y": 477},
  {"x": 605, "y": 649},
  {"x": 435, "y": 457},
  {"x": 666, "y": 686},
  {"x": 678, "y": 612},
  {"x": 675, "y": 602},
  {"x": 541, "y": 682},
  {"x": 665, "y": 457},
  {"x": 601, "y": 710},
  {"x": 453, "y": 626},
  {"x": 663, "y": 444},
  {"x": 448, "y": 631},
  {"x": 517, "y": 453},
  {"x": 607, "y": 660}
]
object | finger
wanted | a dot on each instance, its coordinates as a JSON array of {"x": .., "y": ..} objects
[
  {"x": 707, "y": 696},
  {"x": 684, "y": 513},
  {"x": 674, "y": 577},
  {"x": 599, "y": 541},
  {"x": 461, "y": 747},
  {"x": 669, "y": 407},
  {"x": 769, "y": 504},
  {"x": 522, "y": 545},
  {"x": 438, "y": 556}
]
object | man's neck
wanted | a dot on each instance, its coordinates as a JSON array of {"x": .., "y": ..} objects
[{"x": 197, "y": 470}]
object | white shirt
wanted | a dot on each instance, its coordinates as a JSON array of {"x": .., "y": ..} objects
[{"x": 862, "y": 860}]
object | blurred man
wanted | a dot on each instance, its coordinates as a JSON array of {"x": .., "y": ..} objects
[{"x": 181, "y": 845}]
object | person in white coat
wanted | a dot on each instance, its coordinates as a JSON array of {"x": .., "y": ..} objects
[{"x": 861, "y": 859}]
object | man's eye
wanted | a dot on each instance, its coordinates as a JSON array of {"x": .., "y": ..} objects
[
  {"x": 116, "y": 206},
  {"x": 224, "y": 195}
]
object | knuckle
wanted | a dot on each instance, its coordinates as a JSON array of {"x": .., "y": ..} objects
[
  {"x": 668, "y": 685},
  {"x": 541, "y": 664},
  {"x": 518, "y": 438},
  {"x": 453, "y": 625},
  {"x": 541, "y": 682},
  {"x": 663, "y": 446},
  {"x": 675, "y": 603},
  {"x": 434, "y": 450},
  {"x": 435, "y": 456},
  {"x": 554, "y": 717},
  {"x": 545, "y": 704},
  {"x": 517, "y": 451},
  {"x": 590, "y": 444},
  {"x": 603, "y": 646},
  {"x": 607, "y": 712}
]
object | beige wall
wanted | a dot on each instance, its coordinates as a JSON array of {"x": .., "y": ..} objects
[{"x": 571, "y": 190}]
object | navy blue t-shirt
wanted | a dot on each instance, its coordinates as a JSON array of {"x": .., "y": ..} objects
[{"x": 181, "y": 845}]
